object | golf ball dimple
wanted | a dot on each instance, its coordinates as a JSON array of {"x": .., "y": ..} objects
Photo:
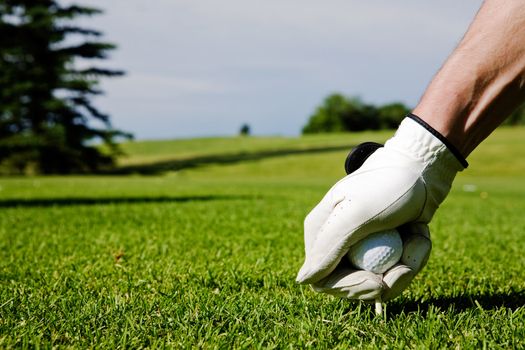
[{"x": 378, "y": 252}]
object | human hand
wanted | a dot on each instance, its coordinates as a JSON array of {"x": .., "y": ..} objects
[{"x": 399, "y": 186}]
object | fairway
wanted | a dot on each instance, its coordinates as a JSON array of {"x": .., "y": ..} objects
[{"x": 196, "y": 244}]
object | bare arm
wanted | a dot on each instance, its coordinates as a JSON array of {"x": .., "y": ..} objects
[{"x": 483, "y": 80}]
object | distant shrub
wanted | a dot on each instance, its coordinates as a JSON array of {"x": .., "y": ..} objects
[
  {"x": 244, "y": 130},
  {"x": 339, "y": 113}
]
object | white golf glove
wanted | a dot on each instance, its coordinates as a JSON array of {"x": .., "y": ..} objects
[{"x": 399, "y": 186}]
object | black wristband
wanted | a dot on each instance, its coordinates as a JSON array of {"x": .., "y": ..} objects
[{"x": 441, "y": 138}]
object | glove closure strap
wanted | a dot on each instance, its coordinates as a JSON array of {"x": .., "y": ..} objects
[{"x": 441, "y": 138}]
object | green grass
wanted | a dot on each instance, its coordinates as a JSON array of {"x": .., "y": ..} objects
[{"x": 206, "y": 257}]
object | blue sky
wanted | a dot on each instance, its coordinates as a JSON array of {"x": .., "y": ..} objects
[{"x": 204, "y": 67}]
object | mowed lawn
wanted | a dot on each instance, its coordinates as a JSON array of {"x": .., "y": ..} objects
[{"x": 197, "y": 242}]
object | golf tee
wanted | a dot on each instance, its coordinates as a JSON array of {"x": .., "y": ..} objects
[{"x": 379, "y": 306}]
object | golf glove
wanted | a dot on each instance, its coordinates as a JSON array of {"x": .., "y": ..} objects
[{"x": 398, "y": 186}]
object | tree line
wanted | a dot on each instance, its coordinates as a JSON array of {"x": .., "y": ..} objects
[{"x": 339, "y": 113}]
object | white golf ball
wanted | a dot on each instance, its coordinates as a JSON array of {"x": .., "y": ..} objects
[{"x": 378, "y": 252}]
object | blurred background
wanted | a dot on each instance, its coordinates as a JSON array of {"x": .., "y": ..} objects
[
  {"x": 200, "y": 68},
  {"x": 92, "y": 72}
]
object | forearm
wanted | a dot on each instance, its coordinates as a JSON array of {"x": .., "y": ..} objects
[{"x": 483, "y": 80}]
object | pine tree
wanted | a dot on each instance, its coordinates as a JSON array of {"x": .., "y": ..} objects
[{"x": 47, "y": 119}]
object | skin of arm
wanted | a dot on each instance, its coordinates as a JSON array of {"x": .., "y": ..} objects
[{"x": 483, "y": 80}]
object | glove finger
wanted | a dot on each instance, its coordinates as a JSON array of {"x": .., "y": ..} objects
[
  {"x": 346, "y": 282},
  {"x": 416, "y": 245},
  {"x": 397, "y": 279},
  {"x": 416, "y": 251},
  {"x": 317, "y": 217},
  {"x": 314, "y": 221}
]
